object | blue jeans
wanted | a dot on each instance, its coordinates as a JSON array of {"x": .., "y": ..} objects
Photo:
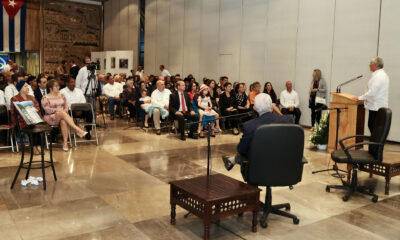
[{"x": 111, "y": 103}]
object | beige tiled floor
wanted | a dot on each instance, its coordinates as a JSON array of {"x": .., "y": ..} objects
[{"x": 119, "y": 190}]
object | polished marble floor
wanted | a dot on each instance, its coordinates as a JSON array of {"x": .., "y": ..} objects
[{"x": 119, "y": 190}]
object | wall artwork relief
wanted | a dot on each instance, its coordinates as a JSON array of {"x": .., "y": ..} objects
[{"x": 71, "y": 30}]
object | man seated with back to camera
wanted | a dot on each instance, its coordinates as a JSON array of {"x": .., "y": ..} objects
[
  {"x": 75, "y": 95},
  {"x": 263, "y": 106},
  {"x": 181, "y": 109}
]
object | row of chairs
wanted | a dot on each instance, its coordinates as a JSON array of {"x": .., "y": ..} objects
[{"x": 11, "y": 139}]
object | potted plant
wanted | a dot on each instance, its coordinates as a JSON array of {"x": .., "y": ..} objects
[{"x": 320, "y": 135}]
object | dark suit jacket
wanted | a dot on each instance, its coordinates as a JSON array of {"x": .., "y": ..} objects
[
  {"x": 74, "y": 71},
  {"x": 38, "y": 95},
  {"x": 174, "y": 103},
  {"x": 250, "y": 126}
]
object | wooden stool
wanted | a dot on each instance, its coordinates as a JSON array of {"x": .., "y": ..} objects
[
  {"x": 214, "y": 197},
  {"x": 42, "y": 130}
]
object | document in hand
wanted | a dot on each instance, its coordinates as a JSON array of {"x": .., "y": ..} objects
[{"x": 28, "y": 112}]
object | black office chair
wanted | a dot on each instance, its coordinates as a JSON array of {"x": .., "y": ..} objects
[
  {"x": 275, "y": 159},
  {"x": 361, "y": 157}
]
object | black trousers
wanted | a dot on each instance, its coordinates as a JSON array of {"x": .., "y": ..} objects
[
  {"x": 232, "y": 121},
  {"x": 87, "y": 115},
  {"x": 316, "y": 115},
  {"x": 371, "y": 120},
  {"x": 181, "y": 123},
  {"x": 132, "y": 109},
  {"x": 296, "y": 112}
]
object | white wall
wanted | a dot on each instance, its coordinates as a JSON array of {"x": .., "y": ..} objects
[
  {"x": 276, "y": 41},
  {"x": 121, "y": 26}
]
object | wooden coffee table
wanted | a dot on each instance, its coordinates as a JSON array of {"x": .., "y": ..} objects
[{"x": 214, "y": 197}]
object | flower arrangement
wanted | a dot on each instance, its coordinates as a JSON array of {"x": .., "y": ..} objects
[{"x": 320, "y": 135}]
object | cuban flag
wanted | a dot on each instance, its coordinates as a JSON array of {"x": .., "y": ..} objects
[{"x": 12, "y": 27}]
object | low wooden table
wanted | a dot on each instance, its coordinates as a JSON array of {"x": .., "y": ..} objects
[
  {"x": 389, "y": 167},
  {"x": 214, "y": 197}
]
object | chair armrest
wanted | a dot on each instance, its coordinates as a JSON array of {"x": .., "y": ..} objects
[
  {"x": 346, "y": 150},
  {"x": 349, "y": 137}
]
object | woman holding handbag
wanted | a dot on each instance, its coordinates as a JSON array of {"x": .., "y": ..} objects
[{"x": 317, "y": 100}]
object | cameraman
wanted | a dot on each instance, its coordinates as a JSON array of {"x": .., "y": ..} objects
[{"x": 88, "y": 86}]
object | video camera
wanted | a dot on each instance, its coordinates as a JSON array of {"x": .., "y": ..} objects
[{"x": 93, "y": 66}]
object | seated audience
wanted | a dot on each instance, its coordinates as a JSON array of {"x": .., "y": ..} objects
[
  {"x": 32, "y": 82},
  {"x": 159, "y": 105},
  {"x": 129, "y": 99},
  {"x": 23, "y": 95},
  {"x": 41, "y": 90},
  {"x": 263, "y": 106},
  {"x": 254, "y": 92},
  {"x": 212, "y": 92},
  {"x": 228, "y": 107},
  {"x": 140, "y": 72},
  {"x": 164, "y": 72},
  {"x": 3, "y": 85},
  {"x": 290, "y": 102},
  {"x": 56, "y": 112},
  {"x": 193, "y": 90},
  {"x": 181, "y": 109},
  {"x": 206, "y": 110},
  {"x": 268, "y": 89},
  {"x": 74, "y": 69},
  {"x": 145, "y": 104},
  {"x": 222, "y": 81},
  {"x": 75, "y": 95},
  {"x": 242, "y": 100},
  {"x": 11, "y": 91},
  {"x": 112, "y": 90}
]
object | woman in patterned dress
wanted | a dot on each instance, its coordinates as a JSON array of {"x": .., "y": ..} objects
[{"x": 56, "y": 112}]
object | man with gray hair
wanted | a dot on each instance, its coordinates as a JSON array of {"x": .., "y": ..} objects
[
  {"x": 377, "y": 94},
  {"x": 263, "y": 106}
]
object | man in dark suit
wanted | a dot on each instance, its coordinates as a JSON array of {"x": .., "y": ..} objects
[
  {"x": 73, "y": 71},
  {"x": 263, "y": 106},
  {"x": 41, "y": 90},
  {"x": 181, "y": 109}
]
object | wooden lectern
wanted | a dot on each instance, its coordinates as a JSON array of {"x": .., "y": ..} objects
[{"x": 351, "y": 119}]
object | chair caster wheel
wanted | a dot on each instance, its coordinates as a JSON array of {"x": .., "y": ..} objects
[
  {"x": 296, "y": 221},
  {"x": 345, "y": 198},
  {"x": 240, "y": 214},
  {"x": 328, "y": 189},
  {"x": 263, "y": 224},
  {"x": 287, "y": 208},
  {"x": 375, "y": 199}
]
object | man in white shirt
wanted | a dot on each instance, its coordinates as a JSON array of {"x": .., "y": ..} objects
[
  {"x": 140, "y": 72},
  {"x": 159, "y": 99},
  {"x": 112, "y": 90},
  {"x": 8, "y": 67},
  {"x": 164, "y": 72},
  {"x": 88, "y": 87},
  {"x": 290, "y": 102},
  {"x": 75, "y": 95},
  {"x": 377, "y": 94}
]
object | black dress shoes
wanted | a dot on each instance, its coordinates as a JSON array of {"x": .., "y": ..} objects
[{"x": 228, "y": 164}]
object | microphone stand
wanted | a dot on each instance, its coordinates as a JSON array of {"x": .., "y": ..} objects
[
  {"x": 335, "y": 167},
  {"x": 236, "y": 116},
  {"x": 338, "y": 89}
]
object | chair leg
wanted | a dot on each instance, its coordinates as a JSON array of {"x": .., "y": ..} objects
[
  {"x": 52, "y": 163},
  {"x": 20, "y": 165},
  {"x": 274, "y": 209},
  {"x": 10, "y": 134},
  {"x": 30, "y": 160},
  {"x": 352, "y": 187},
  {"x": 95, "y": 133},
  {"x": 42, "y": 156}
]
